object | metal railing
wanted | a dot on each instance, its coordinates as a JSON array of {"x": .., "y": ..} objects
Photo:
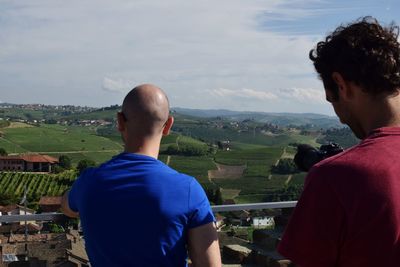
[
  {"x": 255, "y": 206},
  {"x": 220, "y": 208}
]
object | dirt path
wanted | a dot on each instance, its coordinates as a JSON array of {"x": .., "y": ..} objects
[
  {"x": 230, "y": 193},
  {"x": 226, "y": 171},
  {"x": 288, "y": 179},
  {"x": 283, "y": 155}
]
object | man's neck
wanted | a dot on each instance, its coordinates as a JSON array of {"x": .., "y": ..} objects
[
  {"x": 383, "y": 112},
  {"x": 148, "y": 148}
]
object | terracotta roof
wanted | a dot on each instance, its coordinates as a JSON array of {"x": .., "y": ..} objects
[
  {"x": 31, "y": 238},
  {"x": 50, "y": 200},
  {"x": 32, "y": 158},
  {"x": 8, "y": 208},
  {"x": 39, "y": 158},
  {"x": 14, "y": 207}
]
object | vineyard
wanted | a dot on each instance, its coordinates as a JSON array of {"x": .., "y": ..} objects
[{"x": 13, "y": 183}]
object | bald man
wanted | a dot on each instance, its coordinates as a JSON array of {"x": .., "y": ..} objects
[{"x": 134, "y": 209}]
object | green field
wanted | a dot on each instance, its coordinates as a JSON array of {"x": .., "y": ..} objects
[
  {"x": 76, "y": 142},
  {"x": 257, "y": 152},
  {"x": 195, "y": 166},
  {"x": 13, "y": 183}
]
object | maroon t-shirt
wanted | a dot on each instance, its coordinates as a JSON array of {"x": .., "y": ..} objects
[{"x": 349, "y": 212}]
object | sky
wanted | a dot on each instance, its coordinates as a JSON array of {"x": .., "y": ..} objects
[{"x": 244, "y": 55}]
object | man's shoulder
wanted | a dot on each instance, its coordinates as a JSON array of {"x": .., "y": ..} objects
[
  {"x": 345, "y": 158},
  {"x": 338, "y": 167},
  {"x": 355, "y": 164}
]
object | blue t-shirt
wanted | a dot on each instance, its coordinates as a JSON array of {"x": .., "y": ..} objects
[{"x": 136, "y": 211}]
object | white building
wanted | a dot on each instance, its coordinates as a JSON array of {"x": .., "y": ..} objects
[{"x": 262, "y": 222}]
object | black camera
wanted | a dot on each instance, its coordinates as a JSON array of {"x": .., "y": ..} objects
[{"x": 307, "y": 155}]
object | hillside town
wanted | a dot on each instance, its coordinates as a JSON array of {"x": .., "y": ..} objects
[{"x": 245, "y": 237}]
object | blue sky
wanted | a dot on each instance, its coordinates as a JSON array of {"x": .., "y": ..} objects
[{"x": 232, "y": 54}]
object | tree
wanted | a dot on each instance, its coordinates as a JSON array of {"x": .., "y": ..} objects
[
  {"x": 85, "y": 163},
  {"x": 64, "y": 162},
  {"x": 55, "y": 228},
  {"x": 218, "y": 197},
  {"x": 3, "y": 152},
  {"x": 172, "y": 149},
  {"x": 285, "y": 166}
]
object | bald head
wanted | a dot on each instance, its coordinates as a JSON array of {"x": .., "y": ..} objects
[{"x": 146, "y": 110}]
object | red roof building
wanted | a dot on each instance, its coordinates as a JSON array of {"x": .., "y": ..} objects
[
  {"x": 27, "y": 162},
  {"x": 50, "y": 204}
]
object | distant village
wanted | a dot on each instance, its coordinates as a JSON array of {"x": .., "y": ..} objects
[
  {"x": 67, "y": 108},
  {"x": 62, "y": 111}
]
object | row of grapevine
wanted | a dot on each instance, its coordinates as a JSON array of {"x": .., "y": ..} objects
[{"x": 37, "y": 184}]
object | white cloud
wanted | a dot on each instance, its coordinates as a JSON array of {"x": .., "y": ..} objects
[
  {"x": 303, "y": 95},
  {"x": 65, "y": 49},
  {"x": 117, "y": 85},
  {"x": 244, "y": 93},
  {"x": 296, "y": 95}
]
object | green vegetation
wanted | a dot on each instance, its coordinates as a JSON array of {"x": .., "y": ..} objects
[
  {"x": 4, "y": 123},
  {"x": 260, "y": 143},
  {"x": 197, "y": 167},
  {"x": 3, "y": 152},
  {"x": 12, "y": 185},
  {"x": 285, "y": 166},
  {"x": 55, "y": 140},
  {"x": 55, "y": 228},
  {"x": 182, "y": 145},
  {"x": 264, "y": 156},
  {"x": 64, "y": 162},
  {"x": 342, "y": 136},
  {"x": 84, "y": 164},
  {"x": 287, "y": 193}
]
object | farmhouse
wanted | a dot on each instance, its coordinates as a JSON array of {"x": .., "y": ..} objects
[
  {"x": 27, "y": 162},
  {"x": 50, "y": 204}
]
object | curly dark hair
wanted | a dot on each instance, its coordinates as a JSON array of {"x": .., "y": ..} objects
[{"x": 363, "y": 52}]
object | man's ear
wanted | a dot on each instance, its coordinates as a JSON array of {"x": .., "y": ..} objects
[
  {"x": 121, "y": 122},
  {"x": 168, "y": 126},
  {"x": 345, "y": 90}
]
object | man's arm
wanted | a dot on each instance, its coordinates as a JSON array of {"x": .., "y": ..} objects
[
  {"x": 65, "y": 207},
  {"x": 203, "y": 246}
]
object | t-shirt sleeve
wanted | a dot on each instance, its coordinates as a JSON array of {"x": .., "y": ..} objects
[
  {"x": 313, "y": 235},
  {"x": 76, "y": 191},
  {"x": 199, "y": 206}
]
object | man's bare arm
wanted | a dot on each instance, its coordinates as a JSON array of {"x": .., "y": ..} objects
[
  {"x": 203, "y": 246},
  {"x": 65, "y": 207}
]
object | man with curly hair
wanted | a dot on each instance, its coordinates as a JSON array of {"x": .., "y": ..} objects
[{"x": 349, "y": 212}]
